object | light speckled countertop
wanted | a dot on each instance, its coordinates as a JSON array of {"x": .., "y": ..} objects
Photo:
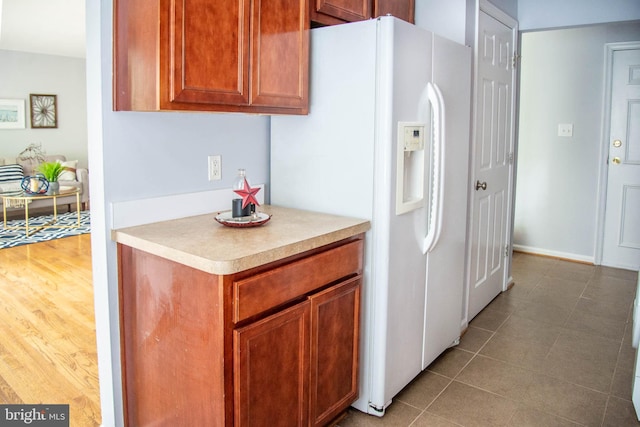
[{"x": 200, "y": 242}]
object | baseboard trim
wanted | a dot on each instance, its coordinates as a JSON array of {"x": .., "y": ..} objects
[{"x": 555, "y": 254}]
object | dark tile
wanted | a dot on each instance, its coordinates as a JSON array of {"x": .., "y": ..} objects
[
  {"x": 489, "y": 319},
  {"x": 548, "y": 312},
  {"x": 530, "y": 262},
  {"x": 557, "y": 294},
  {"x": 620, "y": 412},
  {"x": 604, "y": 326},
  {"x": 611, "y": 289},
  {"x": 583, "y": 359},
  {"x": 474, "y": 338},
  {"x": 566, "y": 400},
  {"x": 572, "y": 270},
  {"x": 423, "y": 390},
  {"x": 536, "y": 356},
  {"x": 619, "y": 273},
  {"x": 520, "y": 351},
  {"x": 626, "y": 357},
  {"x": 522, "y": 342},
  {"x": 613, "y": 309},
  {"x": 430, "y": 420},
  {"x": 622, "y": 384},
  {"x": 528, "y": 417},
  {"x": 508, "y": 301},
  {"x": 496, "y": 376},
  {"x": 470, "y": 407},
  {"x": 529, "y": 278},
  {"x": 450, "y": 363}
]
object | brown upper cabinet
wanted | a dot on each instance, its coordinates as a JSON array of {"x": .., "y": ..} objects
[
  {"x": 402, "y": 9},
  {"x": 332, "y": 12},
  {"x": 212, "y": 55}
]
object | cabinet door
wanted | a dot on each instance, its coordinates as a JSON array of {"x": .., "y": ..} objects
[
  {"x": 207, "y": 53},
  {"x": 402, "y": 9},
  {"x": 323, "y": 11},
  {"x": 279, "y": 53},
  {"x": 271, "y": 367},
  {"x": 335, "y": 325}
]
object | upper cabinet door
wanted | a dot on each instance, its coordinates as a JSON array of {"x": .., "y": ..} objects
[
  {"x": 211, "y": 55},
  {"x": 207, "y": 53},
  {"x": 402, "y": 9},
  {"x": 280, "y": 53},
  {"x": 330, "y": 12}
]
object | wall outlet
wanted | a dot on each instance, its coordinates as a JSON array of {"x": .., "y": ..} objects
[
  {"x": 215, "y": 168},
  {"x": 565, "y": 129}
]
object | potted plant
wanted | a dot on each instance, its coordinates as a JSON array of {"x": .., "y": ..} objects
[{"x": 51, "y": 171}]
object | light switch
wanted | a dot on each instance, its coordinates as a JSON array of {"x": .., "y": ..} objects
[{"x": 565, "y": 129}]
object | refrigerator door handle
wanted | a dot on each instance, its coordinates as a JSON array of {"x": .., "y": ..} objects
[{"x": 434, "y": 95}]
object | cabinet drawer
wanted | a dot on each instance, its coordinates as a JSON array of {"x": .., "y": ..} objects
[{"x": 261, "y": 292}]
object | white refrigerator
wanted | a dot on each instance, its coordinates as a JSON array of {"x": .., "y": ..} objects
[{"x": 387, "y": 139}]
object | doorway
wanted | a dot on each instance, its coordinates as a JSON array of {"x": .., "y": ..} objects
[{"x": 559, "y": 197}]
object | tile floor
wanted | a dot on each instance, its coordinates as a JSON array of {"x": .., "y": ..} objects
[{"x": 554, "y": 350}]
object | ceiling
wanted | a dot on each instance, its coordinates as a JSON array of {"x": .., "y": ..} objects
[{"x": 54, "y": 27}]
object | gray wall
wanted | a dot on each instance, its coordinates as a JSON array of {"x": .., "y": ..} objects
[
  {"x": 447, "y": 19},
  {"x": 24, "y": 73},
  {"x": 539, "y": 14},
  {"x": 455, "y": 19},
  {"x": 562, "y": 81}
]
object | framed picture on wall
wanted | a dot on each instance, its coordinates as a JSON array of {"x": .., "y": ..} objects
[
  {"x": 44, "y": 112},
  {"x": 12, "y": 114}
]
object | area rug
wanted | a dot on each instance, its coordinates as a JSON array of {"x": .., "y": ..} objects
[{"x": 11, "y": 238}]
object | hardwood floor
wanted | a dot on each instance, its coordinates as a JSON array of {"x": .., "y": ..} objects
[{"x": 48, "y": 341}]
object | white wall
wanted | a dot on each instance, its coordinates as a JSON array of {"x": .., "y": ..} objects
[
  {"x": 538, "y": 14},
  {"x": 24, "y": 73},
  {"x": 562, "y": 75}
]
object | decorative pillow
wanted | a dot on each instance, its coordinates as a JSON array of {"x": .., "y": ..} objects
[
  {"x": 10, "y": 179},
  {"x": 11, "y": 173},
  {"x": 69, "y": 172},
  {"x": 10, "y": 187}
]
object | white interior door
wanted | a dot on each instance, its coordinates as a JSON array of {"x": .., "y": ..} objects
[
  {"x": 621, "y": 242},
  {"x": 492, "y": 161}
]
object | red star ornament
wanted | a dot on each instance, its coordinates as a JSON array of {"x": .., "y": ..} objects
[{"x": 248, "y": 194}]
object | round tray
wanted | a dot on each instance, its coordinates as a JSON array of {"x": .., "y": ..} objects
[{"x": 226, "y": 219}]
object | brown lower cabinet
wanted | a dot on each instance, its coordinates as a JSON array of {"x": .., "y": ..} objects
[{"x": 273, "y": 346}]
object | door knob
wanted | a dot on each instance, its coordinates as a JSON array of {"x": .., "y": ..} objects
[
  {"x": 480, "y": 185},
  {"x": 616, "y": 160}
]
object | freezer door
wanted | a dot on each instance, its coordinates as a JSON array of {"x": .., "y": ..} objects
[{"x": 403, "y": 73}]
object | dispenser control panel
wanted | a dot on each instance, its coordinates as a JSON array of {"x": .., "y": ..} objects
[
  {"x": 413, "y": 136},
  {"x": 410, "y": 166}
]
